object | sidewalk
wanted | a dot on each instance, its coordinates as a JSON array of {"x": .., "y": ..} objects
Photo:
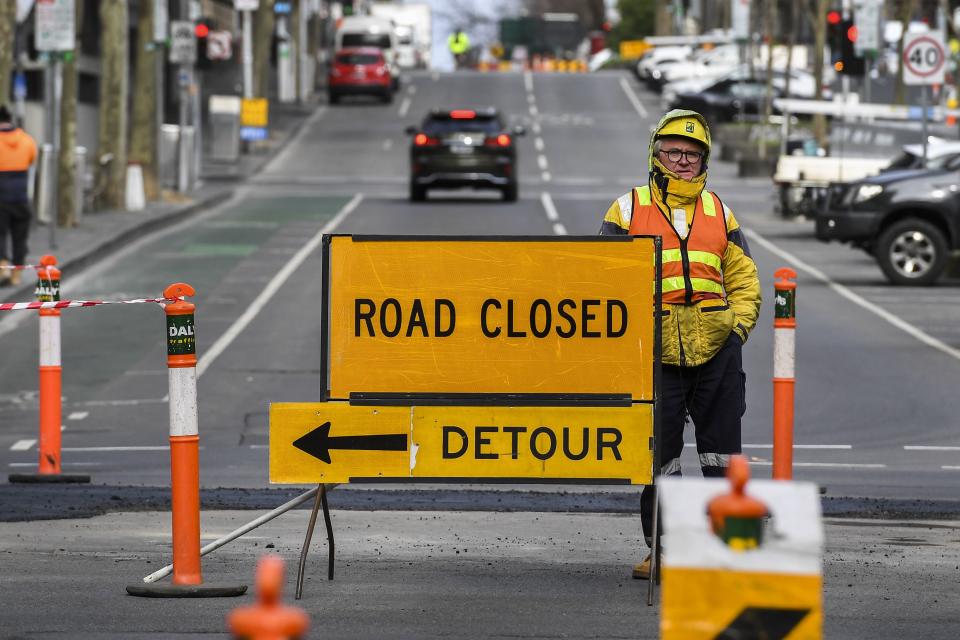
[{"x": 102, "y": 232}]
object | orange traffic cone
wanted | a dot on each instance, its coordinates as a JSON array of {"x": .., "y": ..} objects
[
  {"x": 268, "y": 619},
  {"x": 736, "y": 517}
]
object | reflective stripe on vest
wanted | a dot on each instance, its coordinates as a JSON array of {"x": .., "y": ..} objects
[{"x": 704, "y": 247}]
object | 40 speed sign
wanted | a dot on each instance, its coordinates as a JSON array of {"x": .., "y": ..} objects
[{"x": 924, "y": 58}]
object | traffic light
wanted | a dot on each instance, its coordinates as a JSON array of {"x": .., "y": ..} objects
[
  {"x": 852, "y": 64},
  {"x": 841, "y": 36},
  {"x": 202, "y": 29}
]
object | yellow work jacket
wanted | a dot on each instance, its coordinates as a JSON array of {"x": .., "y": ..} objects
[{"x": 710, "y": 285}]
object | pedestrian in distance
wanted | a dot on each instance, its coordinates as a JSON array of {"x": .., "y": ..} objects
[
  {"x": 710, "y": 300},
  {"x": 17, "y": 152}
]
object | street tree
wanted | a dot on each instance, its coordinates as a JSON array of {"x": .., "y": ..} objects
[
  {"x": 637, "y": 20},
  {"x": 8, "y": 30},
  {"x": 143, "y": 138},
  {"x": 816, "y": 11},
  {"x": 263, "y": 26},
  {"x": 67, "y": 158},
  {"x": 113, "y": 101}
]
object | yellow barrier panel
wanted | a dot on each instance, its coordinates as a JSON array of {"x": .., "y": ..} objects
[
  {"x": 455, "y": 316},
  {"x": 339, "y": 442}
]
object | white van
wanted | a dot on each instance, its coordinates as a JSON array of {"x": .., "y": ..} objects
[{"x": 368, "y": 31}]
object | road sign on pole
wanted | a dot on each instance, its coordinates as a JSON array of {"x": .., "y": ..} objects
[
  {"x": 867, "y": 20},
  {"x": 924, "y": 58},
  {"x": 54, "y": 29},
  {"x": 183, "y": 42}
]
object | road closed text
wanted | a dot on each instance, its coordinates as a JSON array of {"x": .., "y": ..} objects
[{"x": 493, "y": 317}]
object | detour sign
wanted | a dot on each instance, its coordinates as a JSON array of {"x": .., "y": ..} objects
[
  {"x": 490, "y": 316},
  {"x": 340, "y": 442}
]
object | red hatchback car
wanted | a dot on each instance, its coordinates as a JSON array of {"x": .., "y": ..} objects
[{"x": 359, "y": 71}]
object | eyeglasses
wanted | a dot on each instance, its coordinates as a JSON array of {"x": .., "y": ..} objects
[{"x": 674, "y": 155}]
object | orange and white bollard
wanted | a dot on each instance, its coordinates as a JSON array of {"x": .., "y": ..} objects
[
  {"x": 184, "y": 455},
  {"x": 51, "y": 372},
  {"x": 268, "y": 619},
  {"x": 784, "y": 343}
]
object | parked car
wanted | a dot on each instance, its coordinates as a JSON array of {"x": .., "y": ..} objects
[
  {"x": 705, "y": 63},
  {"x": 454, "y": 148},
  {"x": 802, "y": 84},
  {"x": 660, "y": 55},
  {"x": 727, "y": 99},
  {"x": 370, "y": 31},
  {"x": 908, "y": 220},
  {"x": 359, "y": 71}
]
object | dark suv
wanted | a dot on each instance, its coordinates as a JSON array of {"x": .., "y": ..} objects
[
  {"x": 463, "y": 148},
  {"x": 908, "y": 220}
]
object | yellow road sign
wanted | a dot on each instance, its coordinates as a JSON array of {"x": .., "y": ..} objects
[
  {"x": 339, "y": 442},
  {"x": 449, "y": 316},
  {"x": 704, "y": 604},
  {"x": 254, "y": 112},
  {"x": 633, "y": 49}
]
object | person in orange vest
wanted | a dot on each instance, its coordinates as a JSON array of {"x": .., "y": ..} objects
[
  {"x": 710, "y": 297},
  {"x": 17, "y": 153}
]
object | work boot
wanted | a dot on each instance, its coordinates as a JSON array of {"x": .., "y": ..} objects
[
  {"x": 642, "y": 571},
  {"x": 4, "y": 273},
  {"x": 15, "y": 277}
]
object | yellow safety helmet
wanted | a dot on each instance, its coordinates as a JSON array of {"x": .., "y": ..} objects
[
  {"x": 686, "y": 127},
  {"x": 683, "y": 123}
]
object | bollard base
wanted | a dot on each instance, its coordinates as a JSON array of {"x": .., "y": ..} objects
[
  {"x": 186, "y": 590},
  {"x": 48, "y": 478}
]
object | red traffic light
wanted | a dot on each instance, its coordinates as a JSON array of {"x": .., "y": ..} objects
[
  {"x": 852, "y": 33},
  {"x": 834, "y": 17},
  {"x": 201, "y": 30}
]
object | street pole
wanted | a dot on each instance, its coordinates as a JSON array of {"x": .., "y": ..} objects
[
  {"x": 247, "y": 54},
  {"x": 184, "y": 80},
  {"x": 924, "y": 101},
  {"x": 54, "y": 93}
]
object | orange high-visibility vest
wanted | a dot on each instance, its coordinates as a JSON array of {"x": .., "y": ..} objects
[{"x": 691, "y": 266}]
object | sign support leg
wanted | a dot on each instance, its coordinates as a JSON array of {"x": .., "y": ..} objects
[
  {"x": 321, "y": 500},
  {"x": 654, "y": 549}
]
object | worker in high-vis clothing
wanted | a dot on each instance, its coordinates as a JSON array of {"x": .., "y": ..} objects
[
  {"x": 17, "y": 153},
  {"x": 459, "y": 44},
  {"x": 710, "y": 299}
]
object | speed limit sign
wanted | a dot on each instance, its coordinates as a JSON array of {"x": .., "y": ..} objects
[{"x": 924, "y": 58}]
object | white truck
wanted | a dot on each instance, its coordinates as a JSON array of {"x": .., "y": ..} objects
[{"x": 413, "y": 26}]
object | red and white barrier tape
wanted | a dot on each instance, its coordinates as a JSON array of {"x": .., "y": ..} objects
[
  {"x": 66, "y": 304},
  {"x": 20, "y": 267}
]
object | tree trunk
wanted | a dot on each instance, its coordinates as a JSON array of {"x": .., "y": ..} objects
[
  {"x": 67, "y": 176},
  {"x": 820, "y": 42},
  {"x": 904, "y": 15},
  {"x": 263, "y": 24},
  {"x": 143, "y": 138},
  {"x": 113, "y": 101},
  {"x": 769, "y": 20},
  {"x": 8, "y": 30},
  {"x": 663, "y": 20},
  {"x": 299, "y": 13},
  {"x": 791, "y": 43}
]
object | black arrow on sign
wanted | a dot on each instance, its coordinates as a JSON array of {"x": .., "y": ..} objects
[
  {"x": 763, "y": 623},
  {"x": 318, "y": 442}
]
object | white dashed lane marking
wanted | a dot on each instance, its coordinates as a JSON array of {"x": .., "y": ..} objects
[
  {"x": 79, "y": 415},
  {"x": 23, "y": 445}
]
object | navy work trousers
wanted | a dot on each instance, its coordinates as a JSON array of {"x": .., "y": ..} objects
[{"x": 714, "y": 395}]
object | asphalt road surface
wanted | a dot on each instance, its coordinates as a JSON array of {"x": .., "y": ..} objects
[
  {"x": 875, "y": 409},
  {"x": 875, "y": 401}
]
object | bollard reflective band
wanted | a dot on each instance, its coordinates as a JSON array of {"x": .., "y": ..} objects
[
  {"x": 48, "y": 288},
  {"x": 181, "y": 338},
  {"x": 785, "y": 304}
]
